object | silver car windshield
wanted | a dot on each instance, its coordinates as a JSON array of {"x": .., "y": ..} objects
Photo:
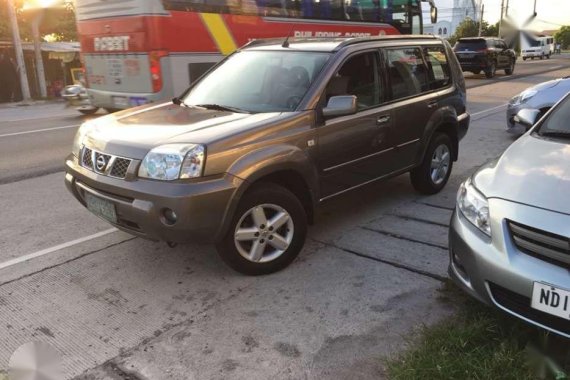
[
  {"x": 558, "y": 122},
  {"x": 258, "y": 81}
]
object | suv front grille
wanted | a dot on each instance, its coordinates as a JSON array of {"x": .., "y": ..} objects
[
  {"x": 520, "y": 305},
  {"x": 544, "y": 245},
  {"x": 105, "y": 164}
]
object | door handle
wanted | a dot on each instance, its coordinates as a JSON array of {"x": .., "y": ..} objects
[
  {"x": 432, "y": 104},
  {"x": 383, "y": 119}
]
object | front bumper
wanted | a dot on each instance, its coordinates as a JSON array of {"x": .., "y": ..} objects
[
  {"x": 512, "y": 110},
  {"x": 463, "y": 121},
  {"x": 202, "y": 206},
  {"x": 496, "y": 272}
]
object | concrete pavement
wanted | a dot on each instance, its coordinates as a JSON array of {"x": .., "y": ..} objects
[{"x": 116, "y": 306}]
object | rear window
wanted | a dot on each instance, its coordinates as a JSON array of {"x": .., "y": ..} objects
[{"x": 471, "y": 45}]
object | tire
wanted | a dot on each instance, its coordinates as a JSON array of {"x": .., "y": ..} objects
[
  {"x": 532, "y": 58},
  {"x": 422, "y": 177},
  {"x": 272, "y": 199},
  {"x": 542, "y": 57},
  {"x": 112, "y": 110},
  {"x": 476, "y": 72},
  {"x": 524, "y": 58},
  {"x": 89, "y": 112},
  {"x": 490, "y": 73},
  {"x": 511, "y": 68},
  {"x": 548, "y": 56}
]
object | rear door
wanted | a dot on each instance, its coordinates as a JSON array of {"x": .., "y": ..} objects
[
  {"x": 413, "y": 101},
  {"x": 355, "y": 149}
]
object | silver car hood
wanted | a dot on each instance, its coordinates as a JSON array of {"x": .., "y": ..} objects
[{"x": 533, "y": 171}]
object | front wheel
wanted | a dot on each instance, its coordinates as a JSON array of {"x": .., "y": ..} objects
[
  {"x": 511, "y": 68},
  {"x": 433, "y": 173},
  {"x": 267, "y": 231},
  {"x": 477, "y": 72},
  {"x": 524, "y": 58}
]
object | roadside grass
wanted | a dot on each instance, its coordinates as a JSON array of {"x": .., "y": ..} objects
[{"x": 478, "y": 343}]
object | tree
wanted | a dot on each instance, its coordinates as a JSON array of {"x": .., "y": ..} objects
[
  {"x": 563, "y": 37},
  {"x": 470, "y": 28},
  {"x": 59, "y": 22}
]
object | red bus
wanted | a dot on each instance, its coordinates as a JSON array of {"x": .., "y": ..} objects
[{"x": 141, "y": 51}]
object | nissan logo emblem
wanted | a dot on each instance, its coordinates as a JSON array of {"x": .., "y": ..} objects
[{"x": 101, "y": 163}]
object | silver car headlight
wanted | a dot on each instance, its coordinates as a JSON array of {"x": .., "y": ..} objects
[
  {"x": 173, "y": 161},
  {"x": 78, "y": 139},
  {"x": 474, "y": 206}
]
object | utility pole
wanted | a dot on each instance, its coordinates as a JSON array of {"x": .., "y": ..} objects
[
  {"x": 481, "y": 19},
  {"x": 507, "y": 9},
  {"x": 501, "y": 18},
  {"x": 38, "y": 52},
  {"x": 19, "y": 53}
]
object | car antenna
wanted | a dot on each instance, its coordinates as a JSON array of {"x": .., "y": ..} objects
[{"x": 286, "y": 42}]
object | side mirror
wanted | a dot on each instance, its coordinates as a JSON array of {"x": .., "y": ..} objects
[
  {"x": 433, "y": 13},
  {"x": 527, "y": 117},
  {"x": 340, "y": 106}
]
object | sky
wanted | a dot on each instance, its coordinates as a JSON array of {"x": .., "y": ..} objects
[{"x": 551, "y": 14}]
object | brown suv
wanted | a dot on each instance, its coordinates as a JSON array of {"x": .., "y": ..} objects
[{"x": 246, "y": 155}]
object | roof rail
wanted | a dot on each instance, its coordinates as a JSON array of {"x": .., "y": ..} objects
[{"x": 397, "y": 37}]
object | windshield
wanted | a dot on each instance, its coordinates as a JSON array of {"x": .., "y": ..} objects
[
  {"x": 259, "y": 81},
  {"x": 558, "y": 123}
]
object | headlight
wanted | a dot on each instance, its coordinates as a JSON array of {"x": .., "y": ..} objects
[
  {"x": 173, "y": 161},
  {"x": 474, "y": 206},
  {"x": 78, "y": 139}
]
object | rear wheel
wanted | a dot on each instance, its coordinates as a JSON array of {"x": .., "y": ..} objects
[
  {"x": 267, "y": 231},
  {"x": 432, "y": 175},
  {"x": 477, "y": 72},
  {"x": 542, "y": 56},
  {"x": 511, "y": 68},
  {"x": 524, "y": 58},
  {"x": 490, "y": 72},
  {"x": 112, "y": 110},
  {"x": 88, "y": 111}
]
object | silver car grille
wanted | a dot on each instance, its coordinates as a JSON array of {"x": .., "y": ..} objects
[
  {"x": 105, "y": 164},
  {"x": 541, "y": 244}
]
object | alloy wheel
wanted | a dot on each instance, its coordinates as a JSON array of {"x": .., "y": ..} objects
[
  {"x": 440, "y": 164},
  {"x": 264, "y": 233}
]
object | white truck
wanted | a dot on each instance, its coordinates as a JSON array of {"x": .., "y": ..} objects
[{"x": 533, "y": 46}]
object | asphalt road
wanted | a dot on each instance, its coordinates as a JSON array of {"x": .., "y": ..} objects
[{"x": 117, "y": 306}]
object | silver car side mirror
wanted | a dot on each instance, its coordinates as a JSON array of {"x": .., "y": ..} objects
[
  {"x": 340, "y": 106},
  {"x": 527, "y": 117}
]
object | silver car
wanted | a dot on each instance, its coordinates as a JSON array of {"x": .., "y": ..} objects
[
  {"x": 509, "y": 237},
  {"x": 541, "y": 97}
]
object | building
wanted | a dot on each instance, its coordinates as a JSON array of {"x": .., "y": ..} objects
[
  {"x": 443, "y": 28},
  {"x": 463, "y": 9}
]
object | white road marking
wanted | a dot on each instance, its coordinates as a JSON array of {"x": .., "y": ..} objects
[
  {"x": 38, "y": 130},
  {"x": 489, "y": 110},
  {"x": 43, "y": 252}
]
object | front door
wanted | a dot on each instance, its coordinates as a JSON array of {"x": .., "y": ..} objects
[{"x": 354, "y": 149}]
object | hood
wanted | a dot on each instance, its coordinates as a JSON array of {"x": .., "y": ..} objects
[
  {"x": 132, "y": 133},
  {"x": 533, "y": 171},
  {"x": 548, "y": 84}
]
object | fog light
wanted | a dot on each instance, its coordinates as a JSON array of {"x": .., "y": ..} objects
[{"x": 170, "y": 216}]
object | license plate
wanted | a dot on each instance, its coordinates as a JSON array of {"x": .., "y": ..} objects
[
  {"x": 121, "y": 101},
  {"x": 551, "y": 300},
  {"x": 115, "y": 68},
  {"x": 465, "y": 56},
  {"x": 101, "y": 207}
]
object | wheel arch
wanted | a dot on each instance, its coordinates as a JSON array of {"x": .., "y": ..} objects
[
  {"x": 286, "y": 166},
  {"x": 444, "y": 121}
]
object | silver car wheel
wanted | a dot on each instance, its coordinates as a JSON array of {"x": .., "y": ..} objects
[
  {"x": 440, "y": 164},
  {"x": 264, "y": 233}
]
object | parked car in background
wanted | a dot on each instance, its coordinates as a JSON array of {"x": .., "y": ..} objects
[
  {"x": 485, "y": 54},
  {"x": 541, "y": 97},
  {"x": 533, "y": 46},
  {"x": 509, "y": 237},
  {"x": 249, "y": 152}
]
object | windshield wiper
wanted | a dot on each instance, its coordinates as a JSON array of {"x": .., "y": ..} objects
[
  {"x": 555, "y": 133},
  {"x": 219, "y": 107}
]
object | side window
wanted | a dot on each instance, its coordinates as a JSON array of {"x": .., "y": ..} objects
[
  {"x": 358, "y": 76},
  {"x": 407, "y": 72},
  {"x": 438, "y": 67}
]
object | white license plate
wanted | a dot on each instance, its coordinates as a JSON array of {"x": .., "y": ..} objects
[
  {"x": 101, "y": 207},
  {"x": 121, "y": 101},
  {"x": 551, "y": 300}
]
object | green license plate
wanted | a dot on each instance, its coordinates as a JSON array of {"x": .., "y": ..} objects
[{"x": 101, "y": 207}]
